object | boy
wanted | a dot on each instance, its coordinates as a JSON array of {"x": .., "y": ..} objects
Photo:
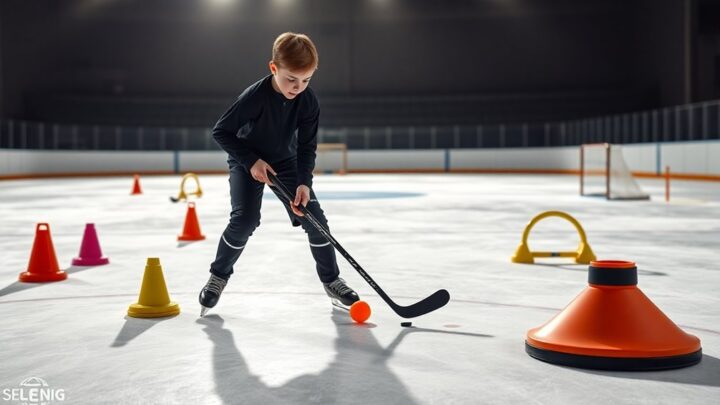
[{"x": 272, "y": 127}]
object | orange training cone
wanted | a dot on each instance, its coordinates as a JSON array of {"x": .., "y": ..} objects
[
  {"x": 43, "y": 264},
  {"x": 612, "y": 325},
  {"x": 136, "y": 185},
  {"x": 154, "y": 300},
  {"x": 191, "y": 230}
]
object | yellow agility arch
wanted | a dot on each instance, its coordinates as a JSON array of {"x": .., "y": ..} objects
[
  {"x": 183, "y": 194},
  {"x": 583, "y": 255}
]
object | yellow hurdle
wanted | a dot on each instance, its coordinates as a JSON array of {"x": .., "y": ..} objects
[
  {"x": 583, "y": 255},
  {"x": 183, "y": 196}
]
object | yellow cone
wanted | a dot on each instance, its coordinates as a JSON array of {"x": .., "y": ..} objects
[{"x": 154, "y": 300}]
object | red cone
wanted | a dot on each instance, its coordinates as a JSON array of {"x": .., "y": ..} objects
[
  {"x": 191, "y": 230},
  {"x": 136, "y": 185},
  {"x": 43, "y": 264}
]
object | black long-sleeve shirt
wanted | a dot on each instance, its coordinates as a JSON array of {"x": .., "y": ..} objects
[{"x": 263, "y": 124}]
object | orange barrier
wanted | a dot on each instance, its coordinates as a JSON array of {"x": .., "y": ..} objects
[{"x": 612, "y": 325}]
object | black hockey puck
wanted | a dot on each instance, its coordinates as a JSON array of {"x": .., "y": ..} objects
[{"x": 406, "y": 324}]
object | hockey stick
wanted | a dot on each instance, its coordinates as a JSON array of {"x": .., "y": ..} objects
[{"x": 437, "y": 300}]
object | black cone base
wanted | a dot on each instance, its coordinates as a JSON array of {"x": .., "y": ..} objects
[{"x": 614, "y": 363}]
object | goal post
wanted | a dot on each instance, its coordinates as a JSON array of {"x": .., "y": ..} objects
[
  {"x": 331, "y": 158},
  {"x": 604, "y": 173}
]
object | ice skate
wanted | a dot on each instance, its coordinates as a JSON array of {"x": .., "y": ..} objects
[
  {"x": 340, "y": 294},
  {"x": 210, "y": 294}
]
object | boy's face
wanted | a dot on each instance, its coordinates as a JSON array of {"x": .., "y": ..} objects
[{"x": 290, "y": 82}]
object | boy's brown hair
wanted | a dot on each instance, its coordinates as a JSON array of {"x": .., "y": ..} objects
[{"x": 294, "y": 51}]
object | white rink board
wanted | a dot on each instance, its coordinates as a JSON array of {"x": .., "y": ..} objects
[
  {"x": 565, "y": 158},
  {"x": 30, "y": 162},
  {"x": 189, "y": 161},
  {"x": 396, "y": 159},
  {"x": 700, "y": 158}
]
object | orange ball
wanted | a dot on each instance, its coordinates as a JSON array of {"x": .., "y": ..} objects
[{"x": 360, "y": 311}]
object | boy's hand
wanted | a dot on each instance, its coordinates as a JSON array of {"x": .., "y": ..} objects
[
  {"x": 259, "y": 171},
  {"x": 302, "y": 196}
]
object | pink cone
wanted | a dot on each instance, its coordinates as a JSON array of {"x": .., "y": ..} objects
[{"x": 90, "y": 253}]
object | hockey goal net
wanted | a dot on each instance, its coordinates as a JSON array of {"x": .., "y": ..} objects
[
  {"x": 604, "y": 172},
  {"x": 331, "y": 158}
]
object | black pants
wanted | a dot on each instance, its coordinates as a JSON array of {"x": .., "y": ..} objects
[{"x": 246, "y": 199}]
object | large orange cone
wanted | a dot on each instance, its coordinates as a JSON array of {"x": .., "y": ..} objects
[
  {"x": 612, "y": 325},
  {"x": 191, "y": 229},
  {"x": 43, "y": 264},
  {"x": 154, "y": 300},
  {"x": 136, "y": 185}
]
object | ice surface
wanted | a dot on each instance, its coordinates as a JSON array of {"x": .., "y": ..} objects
[{"x": 274, "y": 337}]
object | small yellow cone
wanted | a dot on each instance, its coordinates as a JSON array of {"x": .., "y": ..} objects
[{"x": 154, "y": 300}]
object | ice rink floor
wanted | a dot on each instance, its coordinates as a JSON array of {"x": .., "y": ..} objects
[{"x": 274, "y": 338}]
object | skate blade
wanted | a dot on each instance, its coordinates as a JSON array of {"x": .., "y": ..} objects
[
  {"x": 338, "y": 304},
  {"x": 203, "y": 311}
]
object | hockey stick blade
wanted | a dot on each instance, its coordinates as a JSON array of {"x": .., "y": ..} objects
[
  {"x": 437, "y": 300},
  {"x": 429, "y": 304}
]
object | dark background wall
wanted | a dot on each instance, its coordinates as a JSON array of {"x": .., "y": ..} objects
[{"x": 196, "y": 50}]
